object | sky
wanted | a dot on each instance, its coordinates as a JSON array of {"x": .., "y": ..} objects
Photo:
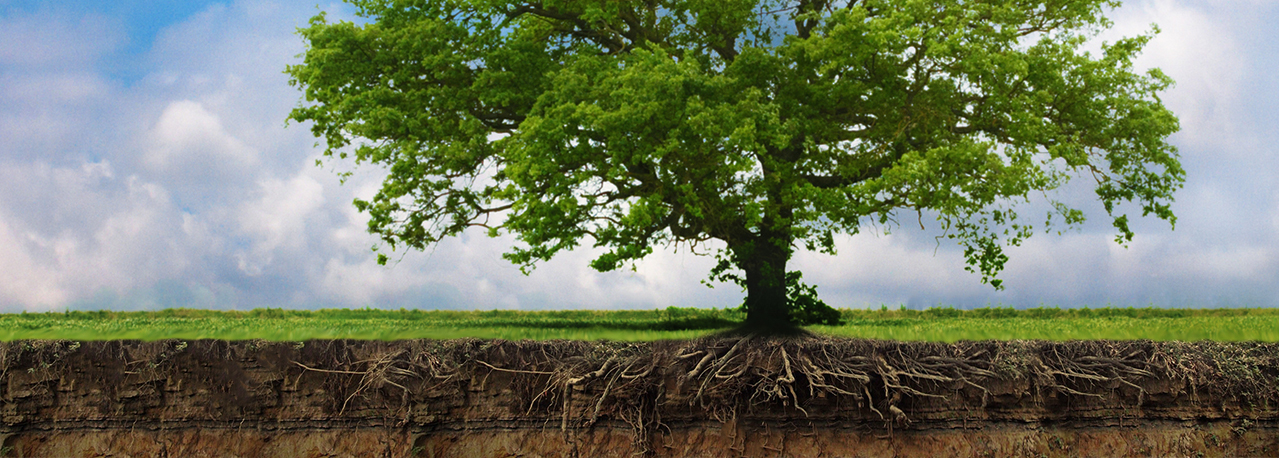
[{"x": 145, "y": 164}]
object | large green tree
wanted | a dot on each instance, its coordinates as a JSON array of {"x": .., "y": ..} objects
[{"x": 766, "y": 125}]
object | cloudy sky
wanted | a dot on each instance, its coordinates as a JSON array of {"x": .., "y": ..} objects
[{"x": 145, "y": 163}]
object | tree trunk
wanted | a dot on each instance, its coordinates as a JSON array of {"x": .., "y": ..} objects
[{"x": 764, "y": 262}]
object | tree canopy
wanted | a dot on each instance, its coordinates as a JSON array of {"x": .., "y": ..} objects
[{"x": 765, "y": 125}]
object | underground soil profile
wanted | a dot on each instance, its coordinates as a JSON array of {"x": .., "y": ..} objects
[{"x": 711, "y": 397}]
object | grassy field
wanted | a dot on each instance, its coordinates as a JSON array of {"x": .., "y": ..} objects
[{"x": 938, "y": 324}]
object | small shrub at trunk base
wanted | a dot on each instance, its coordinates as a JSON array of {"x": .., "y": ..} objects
[{"x": 805, "y": 308}]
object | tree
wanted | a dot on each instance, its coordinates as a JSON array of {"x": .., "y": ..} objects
[{"x": 765, "y": 125}]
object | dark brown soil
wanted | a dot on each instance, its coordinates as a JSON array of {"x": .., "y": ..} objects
[{"x": 720, "y": 397}]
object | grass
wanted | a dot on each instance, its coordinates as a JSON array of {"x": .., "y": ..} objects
[{"x": 939, "y": 324}]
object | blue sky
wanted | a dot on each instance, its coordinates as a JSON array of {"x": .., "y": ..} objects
[
  {"x": 128, "y": 28},
  {"x": 144, "y": 163}
]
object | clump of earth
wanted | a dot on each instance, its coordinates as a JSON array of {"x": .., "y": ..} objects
[{"x": 751, "y": 396}]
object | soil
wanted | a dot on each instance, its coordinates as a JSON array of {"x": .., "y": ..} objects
[{"x": 714, "y": 397}]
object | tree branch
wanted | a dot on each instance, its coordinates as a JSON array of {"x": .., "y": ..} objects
[{"x": 580, "y": 28}]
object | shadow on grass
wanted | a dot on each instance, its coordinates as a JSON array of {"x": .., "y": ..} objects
[{"x": 676, "y": 324}]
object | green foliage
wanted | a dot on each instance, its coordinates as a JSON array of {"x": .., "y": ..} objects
[
  {"x": 764, "y": 124},
  {"x": 805, "y": 308}
]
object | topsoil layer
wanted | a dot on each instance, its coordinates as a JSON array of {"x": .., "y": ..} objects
[{"x": 715, "y": 397}]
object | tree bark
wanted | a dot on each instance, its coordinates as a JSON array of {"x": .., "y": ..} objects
[{"x": 763, "y": 260}]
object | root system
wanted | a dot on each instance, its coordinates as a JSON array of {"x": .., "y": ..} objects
[{"x": 581, "y": 383}]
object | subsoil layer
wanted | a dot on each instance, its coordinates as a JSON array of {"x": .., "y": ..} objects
[{"x": 713, "y": 397}]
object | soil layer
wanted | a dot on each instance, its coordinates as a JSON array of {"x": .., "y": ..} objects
[{"x": 715, "y": 397}]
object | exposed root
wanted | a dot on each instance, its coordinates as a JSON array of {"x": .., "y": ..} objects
[
  {"x": 587, "y": 383},
  {"x": 1098, "y": 368},
  {"x": 377, "y": 373},
  {"x": 513, "y": 371}
]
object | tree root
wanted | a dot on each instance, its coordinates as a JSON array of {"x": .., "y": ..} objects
[
  {"x": 584, "y": 383},
  {"x": 374, "y": 376}
]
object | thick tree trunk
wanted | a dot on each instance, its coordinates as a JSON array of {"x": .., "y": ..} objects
[
  {"x": 763, "y": 258},
  {"x": 764, "y": 263}
]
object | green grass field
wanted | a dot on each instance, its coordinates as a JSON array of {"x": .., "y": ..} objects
[{"x": 939, "y": 324}]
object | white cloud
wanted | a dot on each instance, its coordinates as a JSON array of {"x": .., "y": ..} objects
[
  {"x": 97, "y": 231},
  {"x": 23, "y": 281},
  {"x": 231, "y": 58},
  {"x": 189, "y": 139},
  {"x": 905, "y": 266},
  {"x": 51, "y": 39},
  {"x": 53, "y": 88},
  {"x": 1205, "y": 48},
  {"x": 49, "y": 86},
  {"x": 278, "y": 219}
]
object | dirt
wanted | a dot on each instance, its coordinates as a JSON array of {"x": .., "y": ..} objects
[{"x": 715, "y": 397}]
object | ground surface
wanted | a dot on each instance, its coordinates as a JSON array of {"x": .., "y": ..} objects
[
  {"x": 708, "y": 397},
  {"x": 934, "y": 325}
]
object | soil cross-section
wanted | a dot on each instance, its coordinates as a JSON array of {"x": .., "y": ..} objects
[{"x": 714, "y": 397}]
